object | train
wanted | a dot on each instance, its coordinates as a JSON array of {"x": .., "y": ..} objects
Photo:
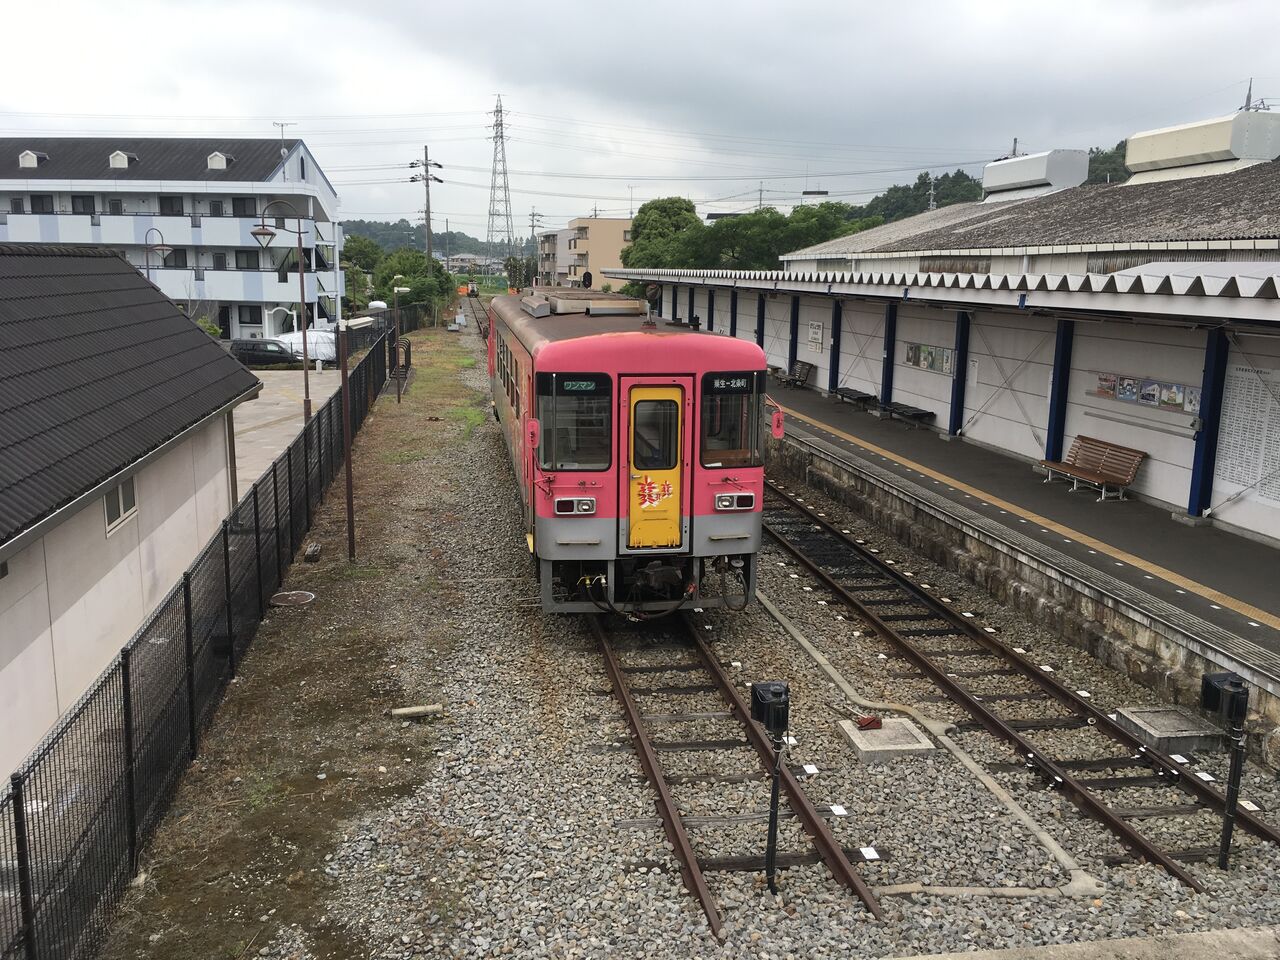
[{"x": 637, "y": 448}]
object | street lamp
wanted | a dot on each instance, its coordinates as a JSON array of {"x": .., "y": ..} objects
[
  {"x": 344, "y": 325},
  {"x": 264, "y": 235},
  {"x": 395, "y": 330},
  {"x": 161, "y": 248}
]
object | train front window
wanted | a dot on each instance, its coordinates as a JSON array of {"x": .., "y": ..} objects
[
  {"x": 731, "y": 419},
  {"x": 655, "y": 442},
  {"x": 574, "y": 410}
]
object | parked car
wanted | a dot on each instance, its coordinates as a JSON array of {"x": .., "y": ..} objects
[{"x": 261, "y": 353}]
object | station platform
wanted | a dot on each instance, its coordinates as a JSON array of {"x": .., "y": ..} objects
[{"x": 1209, "y": 583}]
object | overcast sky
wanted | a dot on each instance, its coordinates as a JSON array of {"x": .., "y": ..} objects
[{"x": 609, "y": 102}]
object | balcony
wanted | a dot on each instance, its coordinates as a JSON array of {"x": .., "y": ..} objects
[
  {"x": 130, "y": 230},
  {"x": 252, "y": 286}
]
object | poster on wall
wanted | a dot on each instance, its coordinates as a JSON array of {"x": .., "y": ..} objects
[
  {"x": 1106, "y": 386},
  {"x": 1147, "y": 392},
  {"x": 815, "y": 336},
  {"x": 925, "y": 356},
  {"x": 1172, "y": 396},
  {"x": 1192, "y": 402},
  {"x": 1249, "y": 434},
  {"x": 1127, "y": 389}
]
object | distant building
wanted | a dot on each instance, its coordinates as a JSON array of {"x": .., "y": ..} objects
[
  {"x": 116, "y": 465},
  {"x": 181, "y": 211},
  {"x": 554, "y": 257},
  {"x": 595, "y": 245}
]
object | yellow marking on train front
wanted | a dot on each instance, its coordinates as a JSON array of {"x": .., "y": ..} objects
[{"x": 1171, "y": 576}]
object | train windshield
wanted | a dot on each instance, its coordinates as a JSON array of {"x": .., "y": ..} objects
[
  {"x": 575, "y": 411},
  {"x": 731, "y": 419}
]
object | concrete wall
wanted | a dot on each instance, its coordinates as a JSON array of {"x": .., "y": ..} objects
[
  {"x": 777, "y": 328},
  {"x": 1140, "y": 352},
  {"x": 862, "y": 345},
  {"x": 1007, "y": 395},
  {"x": 73, "y": 598},
  {"x": 926, "y": 389}
]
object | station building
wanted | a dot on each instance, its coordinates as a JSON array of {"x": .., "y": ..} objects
[{"x": 1145, "y": 314}]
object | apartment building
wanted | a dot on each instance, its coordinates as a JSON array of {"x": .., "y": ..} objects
[
  {"x": 594, "y": 246},
  {"x": 182, "y": 211},
  {"x": 554, "y": 257}
]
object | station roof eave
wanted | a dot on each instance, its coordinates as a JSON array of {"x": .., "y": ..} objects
[{"x": 1163, "y": 297}]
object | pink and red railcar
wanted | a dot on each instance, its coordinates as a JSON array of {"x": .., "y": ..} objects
[{"x": 638, "y": 453}]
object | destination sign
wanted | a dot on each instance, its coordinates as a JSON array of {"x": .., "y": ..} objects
[{"x": 728, "y": 382}]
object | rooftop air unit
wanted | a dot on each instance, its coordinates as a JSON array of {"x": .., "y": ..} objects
[
  {"x": 1206, "y": 147},
  {"x": 1034, "y": 174}
]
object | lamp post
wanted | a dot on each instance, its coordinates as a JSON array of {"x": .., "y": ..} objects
[
  {"x": 343, "y": 326},
  {"x": 395, "y": 331},
  {"x": 161, "y": 248},
  {"x": 264, "y": 235}
]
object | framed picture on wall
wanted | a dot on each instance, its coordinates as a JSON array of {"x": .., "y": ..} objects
[
  {"x": 1172, "y": 396},
  {"x": 1127, "y": 389},
  {"x": 1106, "y": 386},
  {"x": 1149, "y": 393},
  {"x": 1191, "y": 402}
]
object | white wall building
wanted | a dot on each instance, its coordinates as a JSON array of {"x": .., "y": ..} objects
[
  {"x": 114, "y": 471},
  {"x": 181, "y": 210}
]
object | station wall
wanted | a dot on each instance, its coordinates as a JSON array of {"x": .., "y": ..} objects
[
  {"x": 1246, "y": 486},
  {"x": 861, "y": 346}
]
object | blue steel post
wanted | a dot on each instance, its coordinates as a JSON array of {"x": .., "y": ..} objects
[
  {"x": 675, "y": 302},
  {"x": 959, "y": 373},
  {"x": 760, "y": 321},
  {"x": 733, "y": 312},
  {"x": 711, "y": 309},
  {"x": 793, "y": 334},
  {"x": 1216, "y": 349},
  {"x": 890, "y": 349},
  {"x": 1058, "y": 390},
  {"x": 690, "y": 317},
  {"x": 833, "y": 372}
]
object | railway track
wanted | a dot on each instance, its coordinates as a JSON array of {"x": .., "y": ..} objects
[
  {"x": 686, "y": 654},
  {"x": 949, "y": 648}
]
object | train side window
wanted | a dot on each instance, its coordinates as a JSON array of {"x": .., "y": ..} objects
[
  {"x": 655, "y": 443},
  {"x": 731, "y": 419},
  {"x": 575, "y": 411}
]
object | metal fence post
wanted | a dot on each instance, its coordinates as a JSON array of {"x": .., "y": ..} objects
[
  {"x": 275, "y": 512},
  {"x": 24, "y": 865},
  {"x": 226, "y": 573},
  {"x": 131, "y": 799},
  {"x": 293, "y": 546},
  {"x": 191, "y": 663},
  {"x": 257, "y": 551},
  {"x": 306, "y": 471}
]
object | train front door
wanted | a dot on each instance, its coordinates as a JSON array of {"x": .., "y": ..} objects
[{"x": 656, "y": 451}]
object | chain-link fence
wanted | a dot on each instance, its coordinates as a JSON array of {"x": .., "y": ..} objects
[{"x": 74, "y": 815}]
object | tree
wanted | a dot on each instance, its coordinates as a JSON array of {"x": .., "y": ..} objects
[
  {"x": 1107, "y": 166},
  {"x": 663, "y": 234},
  {"x": 362, "y": 252},
  {"x": 357, "y": 297}
]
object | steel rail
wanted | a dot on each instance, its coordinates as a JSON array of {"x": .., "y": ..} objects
[
  {"x": 996, "y": 725},
  {"x": 829, "y": 849},
  {"x": 672, "y": 823},
  {"x": 1064, "y": 694}
]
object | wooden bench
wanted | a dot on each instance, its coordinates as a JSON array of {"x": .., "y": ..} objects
[
  {"x": 1107, "y": 467},
  {"x": 859, "y": 398},
  {"x": 914, "y": 416},
  {"x": 798, "y": 376}
]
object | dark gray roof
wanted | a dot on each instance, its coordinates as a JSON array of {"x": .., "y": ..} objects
[
  {"x": 158, "y": 158},
  {"x": 97, "y": 368},
  {"x": 1244, "y": 205}
]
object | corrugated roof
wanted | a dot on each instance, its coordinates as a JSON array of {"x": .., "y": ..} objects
[
  {"x": 97, "y": 369},
  {"x": 157, "y": 158},
  {"x": 1244, "y": 205}
]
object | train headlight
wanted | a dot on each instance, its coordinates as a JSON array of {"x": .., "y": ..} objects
[
  {"x": 735, "y": 501},
  {"x": 575, "y": 506}
]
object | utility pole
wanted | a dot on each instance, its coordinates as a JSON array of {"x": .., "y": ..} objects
[
  {"x": 501, "y": 228},
  {"x": 631, "y": 205},
  {"x": 447, "y": 263},
  {"x": 426, "y": 182},
  {"x": 595, "y": 211},
  {"x": 760, "y": 198}
]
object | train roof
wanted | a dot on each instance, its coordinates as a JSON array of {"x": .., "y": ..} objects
[{"x": 538, "y": 333}]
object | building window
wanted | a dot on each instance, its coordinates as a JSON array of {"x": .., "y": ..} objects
[
  {"x": 219, "y": 261},
  {"x": 42, "y": 203},
  {"x": 175, "y": 258},
  {"x": 244, "y": 206},
  {"x": 115, "y": 207},
  {"x": 171, "y": 206},
  {"x": 83, "y": 203},
  {"x": 246, "y": 259},
  {"x": 215, "y": 208},
  {"x": 120, "y": 504},
  {"x": 302, "y": 167},
  {"x": 626, "y": 236},
  {"x": 250, "y": 315},
  {"x": 15, "y": 205}
]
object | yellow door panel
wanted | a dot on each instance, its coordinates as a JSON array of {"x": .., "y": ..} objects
[{"x": 656, "y": 445}]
